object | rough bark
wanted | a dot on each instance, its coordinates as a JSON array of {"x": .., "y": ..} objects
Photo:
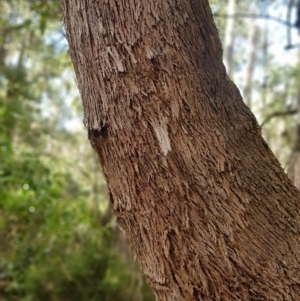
[{"x": 208, "y": 210}]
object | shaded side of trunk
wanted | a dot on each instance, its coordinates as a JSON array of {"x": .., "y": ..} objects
[{"x": 207, "y": 208}]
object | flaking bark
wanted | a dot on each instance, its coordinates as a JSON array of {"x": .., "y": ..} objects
[{"x": 208, "y": 210}]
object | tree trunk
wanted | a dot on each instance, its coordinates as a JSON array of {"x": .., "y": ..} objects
[{"x": 208, "y": 210}]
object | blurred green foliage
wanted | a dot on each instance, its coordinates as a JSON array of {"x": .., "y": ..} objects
[{"x": 53, "y": 243}]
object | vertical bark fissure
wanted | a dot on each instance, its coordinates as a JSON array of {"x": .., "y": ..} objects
[{"x": 203, "y": 201}]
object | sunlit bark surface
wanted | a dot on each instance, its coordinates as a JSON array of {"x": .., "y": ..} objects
[{"x": 207, "y": 208}]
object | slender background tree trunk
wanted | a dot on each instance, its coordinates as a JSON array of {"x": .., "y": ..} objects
[
  {"x": 294, "y": 160},
  {"x": 229, "y": 37},
  {"x": 249, "y": 72},
  {"x": 208, "y": 210}
]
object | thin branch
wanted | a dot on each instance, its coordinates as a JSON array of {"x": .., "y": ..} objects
[
  {"x": 288, "y": 47},
  {"x": 279, "y": 114},
  {"x": 272, "y": 18},
  {"x": 256, "y": 16}
]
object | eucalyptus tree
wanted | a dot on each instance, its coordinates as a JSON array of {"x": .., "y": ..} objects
[{"x": 208, "y": 210}]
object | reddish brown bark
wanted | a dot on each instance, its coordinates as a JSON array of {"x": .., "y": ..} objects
[{"x": 208, "y": 210}]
